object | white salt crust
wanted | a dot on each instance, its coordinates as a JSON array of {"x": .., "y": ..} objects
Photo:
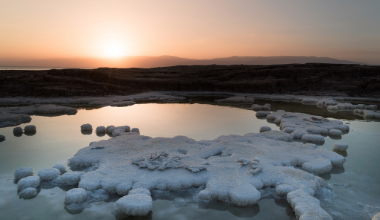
[
  {"x": 139, "y": 191},
  {"x": 69, "y": 179},
  {"x": 23, "y": 172},
  {"x": 30, "y": 128},
  {"x": 76, "y": 195},
  {"x": 28, "y": 193},
  {"x": 86, "y": 127},
  {"x": 335, "y": 132},
  {"x": 61, "y": 168},
  {"x": 135, "y": 205},
  {"x": 49, "y": 174},
  {"x": 340, "y": 146},
  {"x": 264, "y": 129},
  {"x": 30, "y": 181}
]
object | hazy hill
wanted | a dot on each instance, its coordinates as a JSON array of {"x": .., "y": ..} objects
[{"x": 163, "y": 61}]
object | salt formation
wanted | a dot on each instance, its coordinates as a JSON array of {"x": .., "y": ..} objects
[
  {"x": 368, "y": 114},
  {"x": 61, "y": 168},
  {"x": 110, "y": 129},
  {"x": 340, "y": 146},
  {"x": 125, "y": 103},
  {"x": 135, "y": 205},
  {"x": 100, "y": 129},
  {"x": 49, "y": 174},
  {"x": 136, "y": 130},
  {"x": 28, "y": 193},
  {"x": 42, "y": 110},
  {"x": 307, "y": 127},
  {"x": 139, "y": 191},
  {"x": 261, "y": 114},
  {"x": 237, "y": 99},
  {"x": 2, "y": 137},
  {"x": 86, "y": 127},
  {"x": 23, "y": 172},
  {"x": 30, "y": 181},
  {"x": 17, "y": 130},
  {"x": 76, "y": 195},
  {"x": 8, "y": 119},
  {"x": 69, "y": 179},
  {"x": 264, "y": 129},
  {"x": 30, "y": 129},
  {"x": 256, "y": 107}
]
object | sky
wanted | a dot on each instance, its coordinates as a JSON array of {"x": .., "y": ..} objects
[{"x": 196, "y": 29}]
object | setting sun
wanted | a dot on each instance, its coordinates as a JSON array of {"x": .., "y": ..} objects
[{"x": 114, "y": 49}]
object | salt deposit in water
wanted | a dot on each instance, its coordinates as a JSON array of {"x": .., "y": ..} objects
[{"x": 23, "y": 172}]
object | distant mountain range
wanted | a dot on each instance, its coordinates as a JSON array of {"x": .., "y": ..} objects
[{"x": 163, "y": 61}]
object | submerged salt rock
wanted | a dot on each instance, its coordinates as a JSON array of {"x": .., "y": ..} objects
[
  {"x": 70, "y": 178},
  {"x": 100, "y": 129},
  {"x": 23, "y": 172},
  {"x": 2, "y": 137},
  {"x": 136, "y": 130},
  {"x": 306, "y": 206},
  {"x": 264, "y": 129},
  {"x": 76, "y": 195},
  {"x": 29, "y": 129},
  {"x": 340, "y": 146},
  {"x": 28, "y": 193},
  {"x": 61, "y": 168},
  {"x": 335, "y": 132},
  {"x": 30, "y": 181},
  {"x": 318, "y": 166},
  {"x": 139, "y": 191},
  {"x": 313, "y": 138},
  {"x": 86, "y": 127},
  {"x": 134, "y": 205},
  {"x": 17, "y": 130},
  {"x": 49, "y": 174}
]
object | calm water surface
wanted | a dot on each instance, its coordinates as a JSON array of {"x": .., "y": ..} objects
[{"x": 59, "y": 138}]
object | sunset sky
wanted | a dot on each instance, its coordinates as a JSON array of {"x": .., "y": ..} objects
[{"x": 198, "y": 29}]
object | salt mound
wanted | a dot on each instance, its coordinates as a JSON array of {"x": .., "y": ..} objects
[
  {"x": 256, "y": 107},
  {"x": 139, "y": 191},
  {"x": 335, "y": 132},
  {"x": 49, "y": 174},
  {"x": 28, "y": 193},
  {"x": 340, "y": 146},
  {"x": 76, "y": 195},
  {"x": 135, "y": 205},
  {"x": 117, "y": 132},
  {"x": 313, "y": 138},
  {"x": 264, "y": 129},
  {"x": 262, "y": 114},
  {"x": 30, "y": 181},
  {"x": 23, "y": 172},
  {"x": 100, "y": 129},
  {"x": 70, "y": 178},
  {"x": 86, "y": 127},
  {"x": 30, "y": 128},
  {"x": 17, "y": 130},
  {"x": 136, "y": 130},
  {"x": 61, "y": 168},
  {"x": 110, "y": 129}
]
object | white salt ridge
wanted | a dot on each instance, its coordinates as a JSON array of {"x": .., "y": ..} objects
[
  {"x": 86, "y": 127},
  {"x": 264, "y": 129},
  {"x": 23, "y": 172},
  {"x": 30, "y": 181},
  {"x": 135, "y": 205},
  {"x": 49, "y": 174},
  {"x": 61, "y": 168},
  {"x": 76, "y": 195},
  {"x": 340, "y": 146},
  {"x": 30, "y": 128},
  {"x": 28, "y": 193},
  {"x": 100, "y": 129}
]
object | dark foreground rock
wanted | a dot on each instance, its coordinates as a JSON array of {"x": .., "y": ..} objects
[{"x": 303, "y": 79}]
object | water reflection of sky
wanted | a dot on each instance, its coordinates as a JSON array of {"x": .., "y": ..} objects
[{"x": 59, "y": 138}]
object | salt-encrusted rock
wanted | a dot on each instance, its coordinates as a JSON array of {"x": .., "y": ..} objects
[
  {"x": 49, "y": 174},
  {"x": 262, "y": 113},
  {"x": 23, "y": 172},
  {"x": 299, "y": 133},
  {"x": 123, "y": 188},
  {"x": 86, "y": 127},
  {"x": 264, "y": 129},
  {"x": 244, "y": 195},
  {"x": 139, "y": 191},
  {"x": 335, "y": 132},
  {"x": 313, "y": 138},
  {"x": 30, "y": 181},
  {"x": 136, "y": 130},
  {"x": 376, "y": 217},
  {"x": 117, "y": 132},
  {"x": 110, "y": 129},
  {"x": 289, "y": 130},
  {"x": 100, "y": 129},
  {"x": 29, "y": 129},
  {"x": 237, "y": 99},
  {"x": 340, "y": 146},
  {"x": 126, "y": 128},
  {"x": 256, "y": 107},
  {"x": 2, "y": 137},
  {"x": 28, "y": 193},
  {"x": 135, "y": 205},
  {"x": 17, "y": 130},
  {"x": 125, "y": 103},
  {"x": 61, "y": 168},
  {"x": 69, "y": 179},
  {"x": 76, "y": 195},
  {"x": 306, "y": 206},
  {"x": 318, "y": 166}
]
